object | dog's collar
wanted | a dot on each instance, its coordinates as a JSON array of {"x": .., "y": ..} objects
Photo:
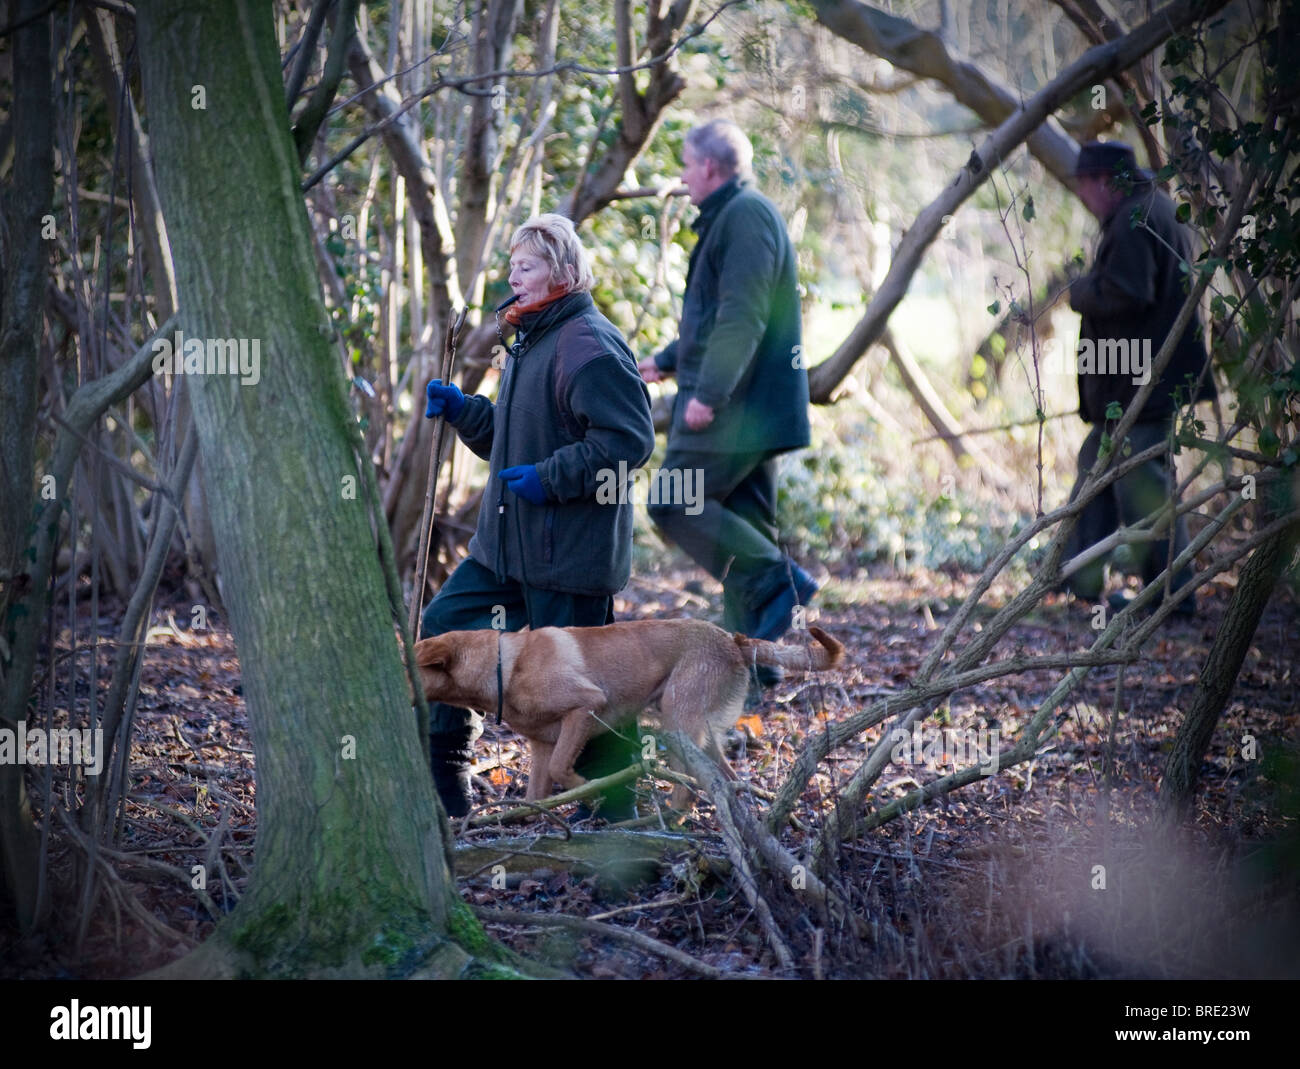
[{"x": 500, "y": 685}]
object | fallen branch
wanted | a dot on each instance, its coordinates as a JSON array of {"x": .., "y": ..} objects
[
  {"x": 613, "y": 851},
  {"x": 735, "y": 840},
  {"x": 577, "y": 794},
  {"x": 607, "y": 931}
]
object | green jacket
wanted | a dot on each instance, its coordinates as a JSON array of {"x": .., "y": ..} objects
[
  {"x": 570, "y": 401},
  {"x": 739, "y": 347},
  {"x": 1132, "y": 296}
]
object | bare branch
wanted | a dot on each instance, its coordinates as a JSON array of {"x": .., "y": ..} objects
[{"x": 318, "y": 104}]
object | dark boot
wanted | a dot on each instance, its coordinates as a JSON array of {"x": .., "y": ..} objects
[
  {"x": 603, "y": 756},
  {"x": 451, "y": 755}
]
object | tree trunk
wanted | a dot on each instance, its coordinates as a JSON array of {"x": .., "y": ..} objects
[
  {"x": 23, "y": 255},
  {"x": 352, "y": 878},
  {"x": 1255, "y": 585}
]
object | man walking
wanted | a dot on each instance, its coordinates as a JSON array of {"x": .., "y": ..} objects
[
  {"x": 742, "y": 395},
  {"x": 1128, "y": 302}
]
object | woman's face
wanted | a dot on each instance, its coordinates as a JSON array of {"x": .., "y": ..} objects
[{"x": 530, "y": 276}]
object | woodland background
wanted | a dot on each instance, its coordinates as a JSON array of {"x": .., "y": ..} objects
[{"x": 214, "y": 574}]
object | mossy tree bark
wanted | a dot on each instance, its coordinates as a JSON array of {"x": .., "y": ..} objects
[
  {"x": 351, "y": 876},
  {"x": 23, "y": 258}
]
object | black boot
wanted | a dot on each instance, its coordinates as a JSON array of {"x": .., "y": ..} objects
[
  {"x": 603, "y": 756},
  {"x": 451, "y": 755}
]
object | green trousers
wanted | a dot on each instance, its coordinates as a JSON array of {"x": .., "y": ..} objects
[{"x": 1124, "y": 502}]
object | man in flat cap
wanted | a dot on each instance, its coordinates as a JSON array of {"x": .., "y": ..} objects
[{"x": 1128, "y": 302}]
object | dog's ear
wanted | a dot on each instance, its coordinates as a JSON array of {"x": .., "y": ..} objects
[{"x": 431, "y": 653}]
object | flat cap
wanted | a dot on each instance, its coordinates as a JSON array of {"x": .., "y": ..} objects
[{"x": 1108, "y": 158}]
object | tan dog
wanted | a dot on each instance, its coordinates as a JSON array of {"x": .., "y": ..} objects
[{"x": 562, "y": 685}]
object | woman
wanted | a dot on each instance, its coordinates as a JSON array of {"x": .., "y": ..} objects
[{"x": 570, "y": 407}]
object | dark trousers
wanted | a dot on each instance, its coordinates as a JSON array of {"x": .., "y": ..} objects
[
  {"x": 1126, "y": 501},
  {"x": 471, "y": 599},
  {"x": 732, "y": 534}
]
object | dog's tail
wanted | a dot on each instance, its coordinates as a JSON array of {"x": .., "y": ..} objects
[{"x": 826, "y": 654}]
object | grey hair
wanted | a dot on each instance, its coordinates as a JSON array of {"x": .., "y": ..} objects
[
  {"x": 552, "y": 238},
  {"x": 722, "y": 141}
]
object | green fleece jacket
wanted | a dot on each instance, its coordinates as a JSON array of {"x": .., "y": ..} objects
[
  {"x": 739, "y": 348},
  {"x": 571, "y": 402}
]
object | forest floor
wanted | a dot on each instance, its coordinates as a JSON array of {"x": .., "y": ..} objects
[{"x": 1034, "y": 872}]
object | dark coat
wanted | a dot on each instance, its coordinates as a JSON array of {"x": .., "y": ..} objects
[
  {"x": 1133, "y": 293},
  {"x": 739, "y": 347},
  {"x": 570, "y": 401}
]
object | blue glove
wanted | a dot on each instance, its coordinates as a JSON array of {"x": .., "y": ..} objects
[
  {"x": 526, "y": 482},
  {"x": 444, "y": 400}
]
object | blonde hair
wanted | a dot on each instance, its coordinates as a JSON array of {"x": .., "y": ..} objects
[{"x": 552, "y": 238}]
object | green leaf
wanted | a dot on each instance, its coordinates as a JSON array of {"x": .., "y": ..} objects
[
  {"x": 1029, "y": 209},
  {"x": 1114, "y": 410},
  {"x": 1183, "y": 212},
  {"x": 995, "y": 308}
]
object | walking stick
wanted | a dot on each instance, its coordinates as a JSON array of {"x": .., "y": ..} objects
[{"x": 435, "y": 461}]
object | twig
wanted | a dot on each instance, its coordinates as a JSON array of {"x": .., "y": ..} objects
[
  {"x": 113, "y": 882},
  {"x": 637, "y": 907},
  {"x": 1000, "y": 427}
]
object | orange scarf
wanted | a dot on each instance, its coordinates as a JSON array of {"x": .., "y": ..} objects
[{"x": 516, "y": 312}]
